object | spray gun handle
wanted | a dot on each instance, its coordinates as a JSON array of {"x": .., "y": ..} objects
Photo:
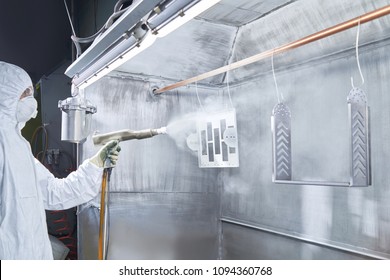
[{"x": 108, "y": 164}]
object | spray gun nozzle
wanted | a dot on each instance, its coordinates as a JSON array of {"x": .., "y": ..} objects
[{"x": 161, "y": 130}]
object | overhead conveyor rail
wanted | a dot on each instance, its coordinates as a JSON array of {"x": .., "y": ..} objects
[{"x": 301, "y": 42}]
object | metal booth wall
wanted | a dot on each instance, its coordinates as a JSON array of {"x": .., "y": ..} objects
[
  {"x": 263, "y": 220},
  {"x": 164, "y": 206}
]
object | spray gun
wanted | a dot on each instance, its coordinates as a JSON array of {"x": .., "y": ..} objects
[{"x": 127, "y": 134}]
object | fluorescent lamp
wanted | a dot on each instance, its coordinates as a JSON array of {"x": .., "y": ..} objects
[
  {"x": 194, "y": 11},
  {"x": 146, "y": 43}
]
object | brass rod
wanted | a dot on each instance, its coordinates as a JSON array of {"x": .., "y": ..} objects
[
  {"x": 303, "y": 41},
  {"x": 102, "y": 234}
]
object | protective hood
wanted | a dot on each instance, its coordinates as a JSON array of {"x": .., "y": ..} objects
[{"x": 13, "y": 81}]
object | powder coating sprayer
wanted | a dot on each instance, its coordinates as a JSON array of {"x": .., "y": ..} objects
[
  {"x": 127, "y": 134},
  {"x": 100, "y": 139}
]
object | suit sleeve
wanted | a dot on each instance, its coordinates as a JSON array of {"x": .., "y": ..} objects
[{"x": 77, "y": 188}]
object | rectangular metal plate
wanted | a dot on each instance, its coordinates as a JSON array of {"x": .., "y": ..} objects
[
  {"x": 359, "y": 129},
  {"x": 281, "y": 142},
  {"x": 218, "y": 143}
]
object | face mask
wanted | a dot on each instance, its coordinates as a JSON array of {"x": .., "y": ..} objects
[{"x": 26, "y": 109}]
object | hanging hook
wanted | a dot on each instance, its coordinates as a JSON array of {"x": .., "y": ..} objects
[
  {"x": 276, "y": 84},
  {"x": 357, "y": 56},
  {"x": 197, "y": 95},
  {"x": 228, "y": 88}
]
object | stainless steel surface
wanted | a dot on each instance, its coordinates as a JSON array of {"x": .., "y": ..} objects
[
  {"x": 359, "y": 137},
  {"x": 193, "y": 45},
  {"x": 281, "y": 142},
  {"x": 317, "y": 91},
  {"x": 189, "y": 50},
  {"x": 286, "y": 25},
  {"x": 244, "y": 241},
  {"x": 162, "y": 205},
  {"x": 154, "y": 164},
  {"x": 162, "y": 186},
  {"x": 79, "y": 149},
  {"x": 239, "y": 13},
  {"x": 313, "y": 183},
  {"x": 280, "y": 49},
  {"x": 155, "y": 226}
]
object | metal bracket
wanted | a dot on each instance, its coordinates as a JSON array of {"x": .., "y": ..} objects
[{"x": 360, "y": 163}]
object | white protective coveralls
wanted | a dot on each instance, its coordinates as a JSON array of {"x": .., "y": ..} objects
[{"x": 27, "y": 188}]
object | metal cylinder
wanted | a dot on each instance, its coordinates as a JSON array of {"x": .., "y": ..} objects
[{"x": 76, "y": 119}]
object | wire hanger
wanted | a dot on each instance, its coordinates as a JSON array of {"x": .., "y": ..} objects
[
  {"x": 279, "y": 96},
  {"x": 197, "y": 95},
  {"x": 357, "y": 57},
  {"x": 228, "y": 89}
]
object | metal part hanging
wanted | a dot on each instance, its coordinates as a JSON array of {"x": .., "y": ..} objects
[
  {"x": 218, "y": 141},
  {"x": 360, "y": 164},
  {"x": 360, "y": 138},
  {"x": 281, "y": 144}
]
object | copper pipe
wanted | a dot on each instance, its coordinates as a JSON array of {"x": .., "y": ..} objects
[{"x": 303, "y": 41}]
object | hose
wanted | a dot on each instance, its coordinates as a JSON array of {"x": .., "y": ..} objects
[
  {"x": 104, "y": 216},
  {"x": 34, "y": 141},
  {"x": 119, "y": 4},
  {"x": 118, "y": 11}
]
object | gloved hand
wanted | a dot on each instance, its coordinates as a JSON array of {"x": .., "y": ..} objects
[{"x": 110, "y": 150}]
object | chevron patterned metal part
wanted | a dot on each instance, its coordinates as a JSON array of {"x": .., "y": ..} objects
[
  {"x": 281, "y": 134},
  {"x": 359, "y": 128}
]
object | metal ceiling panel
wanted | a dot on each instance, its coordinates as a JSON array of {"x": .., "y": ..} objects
[
  {"x": 229, "y": 15},
  {"x": 261, "y": 6},
  {"x": 237, "y": 13},
  {"x": 192, "y": 49},
  {"x": 287, "y": 25}
]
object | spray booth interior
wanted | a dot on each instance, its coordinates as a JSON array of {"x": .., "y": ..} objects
[{"x": 267, "y": 189}]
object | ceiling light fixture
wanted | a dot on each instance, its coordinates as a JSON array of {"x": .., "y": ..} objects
[{"x": 99, "y": 69}]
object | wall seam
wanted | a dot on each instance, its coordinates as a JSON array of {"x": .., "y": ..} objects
[{"x": 357, "y": 251}]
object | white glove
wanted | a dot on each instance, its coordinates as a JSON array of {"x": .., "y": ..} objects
[{"x": 108, "y": 151}]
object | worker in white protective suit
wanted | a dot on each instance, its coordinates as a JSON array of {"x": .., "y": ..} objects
[{"x": 27, "y": 188}]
